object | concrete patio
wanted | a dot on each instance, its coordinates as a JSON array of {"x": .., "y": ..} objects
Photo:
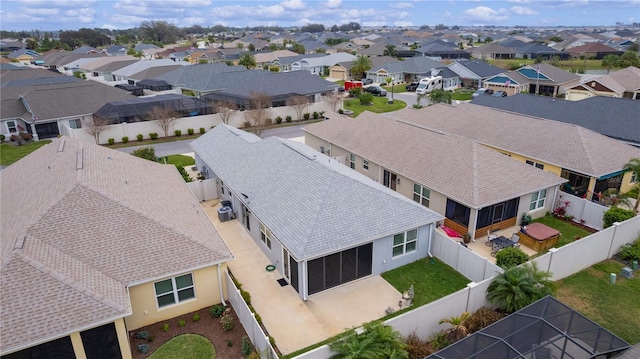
[
  {"x": 480, "y": 248},
  {"x": 294, "y": 323}
]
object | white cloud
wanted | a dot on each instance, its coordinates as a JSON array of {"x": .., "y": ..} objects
[
  {"x": 293, "y": 4},
  {"x": 237, "y": 12},
  {"x": 519, "y": 1},
  {"x": 485, "y": 14},
  {"x": 333, "y": 4},
  {"x": 403, "y": 23},
  {"x": 401, "y": 5},
  {"x": 519, "y": 10},
  {"x": 43, "y": 12}
]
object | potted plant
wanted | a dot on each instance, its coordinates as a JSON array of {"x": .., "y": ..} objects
[
  {"x": 525, "y": 219},
  {"x": 466, "y": 238}
]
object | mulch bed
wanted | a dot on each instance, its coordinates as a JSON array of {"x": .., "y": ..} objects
[{"x": 227, "y": 344}]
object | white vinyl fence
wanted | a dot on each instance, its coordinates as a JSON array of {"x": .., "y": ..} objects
[
  {"x": 248, "y": 320},
  {"x": 204, "y": 190},
  {"x": 463, "y": 260},
  {"x": 582, "y": 210}
]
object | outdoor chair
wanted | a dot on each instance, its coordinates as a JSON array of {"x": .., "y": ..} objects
[
  {"x": 515, "y": 239},
  {"x": 495, "y": 248},
  {"x": 490, "y": 237}
]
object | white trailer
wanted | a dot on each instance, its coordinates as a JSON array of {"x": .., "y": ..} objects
[{"x": 429, "y": 84}]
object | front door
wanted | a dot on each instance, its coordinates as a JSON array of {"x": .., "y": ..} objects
[
  {"x": 389, "y": 179},
  {"x": 247, "y": 214}
]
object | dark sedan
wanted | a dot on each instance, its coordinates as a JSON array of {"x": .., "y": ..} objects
[{"x": 376, "y": 90}]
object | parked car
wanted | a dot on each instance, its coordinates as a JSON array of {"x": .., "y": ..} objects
[
  {"x": 412, "y": 86},
  {"x": 482, "y": 91},
  {"x": 376, "y": 90},
  {"x": 366, "y": 81},
  {"x": 499, "y": 94}
]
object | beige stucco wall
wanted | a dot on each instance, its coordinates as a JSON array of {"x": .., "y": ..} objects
[
  {"x": 145, "y": 308},
  {"x": 626, "y": 184}
]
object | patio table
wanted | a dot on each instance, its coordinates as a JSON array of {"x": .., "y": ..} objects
[{"x": 500, "y": 243}]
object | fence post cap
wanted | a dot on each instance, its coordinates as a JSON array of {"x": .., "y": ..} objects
[
  {"x": 472, "y": 284},
  {"x": 553, "y": 250}
]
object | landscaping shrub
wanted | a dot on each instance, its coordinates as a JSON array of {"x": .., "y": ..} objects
[
  {"x": 365, "y": 98},
  {"x": 184, "y": 174},
  {"x": 439, "y": 340},
  {"x": 182, "y": 322},
  {"x": 14, "y": 138},
  {"x": 246, "y": 296},
  {"x": 148, "y": 153},
  {"x": 519, "y": 286},
  {"x": 510, "y": 257},
  {"x": 217, "y": 310},
  {"x": 165, "y": 327},
  {"x": 153, "y": 135},
  {"x": 247, "y": 347},
  {"x": 306, "y": 116},
  {"x": 111, "y": 141},
  {"x": 178, "y": 133},
  {"x": 196, "y": 317},
  {"x": 190, "y": 131},
  {"x": 268, "y": 122},
  {"x": 354, "y": 92},
  {"x": 316, "y": 115},
  {"x": 616, "y": 214},
  {"x": 143, "y": 334},
  {"x": 227, "y": 322},
  {"x": 288, "y": 118},
  {"x": 278, "y": 120},
  {"x": 140, "y": 137},
  {"x": 631, "y": 252},
  {"x": 482, "y": 318},
  {"x": 2, "y": 137},
  {"x": 417, "y": 347},
  {"x": 125, "y": 139},
  {"x": 143, "y": 348},
  {"x": 26, "y": 136},
  {"x": 202, "y": 130}
]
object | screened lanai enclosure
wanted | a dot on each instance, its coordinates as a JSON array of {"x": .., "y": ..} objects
[
  {"x": 545, "y": 329},
  {"x": 143, "y": 108}
]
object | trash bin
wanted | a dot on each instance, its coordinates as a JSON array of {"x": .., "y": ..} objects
[
  {"x": 224, "y": 213},
  {"x": 226, "y": 204}
]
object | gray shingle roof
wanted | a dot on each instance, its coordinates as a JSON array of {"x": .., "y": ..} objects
[
  {"x": 565, "y": 145},
  {"x": 144, "y": 65},
  {"x": 201, "y": 77},
  {"x": 312, "y": 204},
  {"x": 622, "y": 119},
  {"x": 411, "y": 65},
  {"x": 81, "y": 223},
  {"x": 462, "y": 170},
  {"x": 480, "y": 68}
]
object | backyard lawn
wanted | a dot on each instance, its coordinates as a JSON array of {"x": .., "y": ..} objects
[
  {"x": 186, "y": 346},
  {"x": 10, "y": 153},
  {"x": 614, "y": 306},
  {"x": 379, "y": 105},
  {"x": 431, "y": 280},
  {"x": 568, "y": 232},
  {"x": 180, "y": 160}
]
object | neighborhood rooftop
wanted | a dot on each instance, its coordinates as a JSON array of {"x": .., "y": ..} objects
[{"x": 311, "y": 203}]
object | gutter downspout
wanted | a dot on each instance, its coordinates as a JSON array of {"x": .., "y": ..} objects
[{"x": 220, "y": 286}]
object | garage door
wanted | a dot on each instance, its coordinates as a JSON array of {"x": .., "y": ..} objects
[{"x": 339, "y": 268}]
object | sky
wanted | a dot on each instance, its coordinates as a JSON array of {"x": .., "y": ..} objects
[{"x": 48, "y": 15}]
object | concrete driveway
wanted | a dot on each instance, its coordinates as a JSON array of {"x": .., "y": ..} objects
[{"x": 296, "y": 324}]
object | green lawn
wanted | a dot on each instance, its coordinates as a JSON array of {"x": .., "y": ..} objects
[
  {"x": 614, "y": 306},
  {"x": 462, "y": 95},
  {"x": 186, "y": 346},
  {"x": 180, "y": 160},
  {"x": 568, "y": 232},
  {"x": 568, "y": 65},
  {"x": 379, "y": 105},
  {"x": 431, "y": 280},
  {"x": 10, "y": 153}
]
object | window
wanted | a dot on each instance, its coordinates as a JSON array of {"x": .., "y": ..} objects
[
  {"x": 634, "y": 177},
  {"x": 11, "y": 126},
  {"x": 352, "y": 161},
  {"x": 174, "y": 290},
  {"x": 405, "y": 242},
  {"x": 222, "y": 187},
  {"x": 421, "y": 194},
  {"x": 265, "y": 235},
  {"x": 538, "y": 199},
  {"x": 535, "y": 164},
  {"x": 75, "y": 123},
  {"x": 365, "y": 164}
]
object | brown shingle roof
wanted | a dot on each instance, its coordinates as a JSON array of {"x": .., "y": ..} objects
[
  {"x": 81, "y": 223},
  {"x": 462, "y": 170},
  {"x": 564, "y": 145}
]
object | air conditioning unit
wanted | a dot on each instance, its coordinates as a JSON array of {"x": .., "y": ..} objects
[{"x": 224, "y": 213}]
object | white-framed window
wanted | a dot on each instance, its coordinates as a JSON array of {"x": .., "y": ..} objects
[
  {"x": 265, "y": 235},
  {"x": 352, "y": 161},
  {"x": 11, "y": 126},
  {"x": 365, "y": 164},
  {"x": 634, "y": 177},
  {"x": 535, "y": 164},
  {"x": 75, "y": 123},
  {"x": 421, "y": 194},
  {"x": 174, "y": 290},
  {"x": 405, "y": 242},
  {"x": 222, "y": 187},
  {"x": 538, "y": 199}
]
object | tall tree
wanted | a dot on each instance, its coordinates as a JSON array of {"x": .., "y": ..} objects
[
  {"x": 299, "y": 103},
  {"x": 335, "y": 100},
  {"x": 159, "y": 31},
  {"x": 95, "y": 127},
  {"x": 629, "y": 58},
  {"x": 165, "y": 119},
  {"x": 247, "y": 60},
  {"x": 610, "y": 61},
  {"x": 390, "y": 50},
  {"x": 634, "y": 166},
  {"x": 360, "y": 66},
  {"x": 258, "y": 111},
  {"x": 225, "y": 110},
  {"x": 519, "y": 286}
]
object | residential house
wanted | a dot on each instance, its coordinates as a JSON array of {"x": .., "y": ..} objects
[
  {"x": 590, "y": 161},
  {"x": 593, "y": 50},
  {"x": 542, "y": 79},
  {"x": 24, "y": 56},
  {"x": 198, "y": 80},
  {"x": 96, "y": 243},
  {"x": 477, "y": 189},
  {"x": 104, "y": 73},
  {"x": 291, "y": 201},
  {"x": 147, "y": 50},
  {"x": 265, "y": 59},
  {"x": 9, "y": 45},
  {"x": 43, "y": 104},
  {"x": 286, "y": 63},
  {"x": 534, "y": 50},
  {"x": 410, "y": 69},
  {"x": 493, "y": 51},
  {"x": 91, "y": 68},
  {"x": 116, "y": 50},
  {"x": 441, "y": 49},
  {"x": 342, "y": 70},
  {"x": 55, "y": 59},
  {"x": 127, "y": 73},
  {"x": 473, "y": 72},
  {"x": 623, "y": 83},
  {"x": 321, "y": 64},
  {"x": 613, "y": 117}
]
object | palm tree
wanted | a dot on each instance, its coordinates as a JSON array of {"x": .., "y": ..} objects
[
  {"x": 519, "y": 286},
  {"x": 377, "y": 341},
  {"x": 390, "y": 50},
  {"x": 438, "y": 96},
  {"x": 610, "y": 61},
  {"x": 634, "y": 166},
  {"x": 458, "y": 329},
  {"x": 247, "y": 60},
  {"x": 361, "y": 65}
]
